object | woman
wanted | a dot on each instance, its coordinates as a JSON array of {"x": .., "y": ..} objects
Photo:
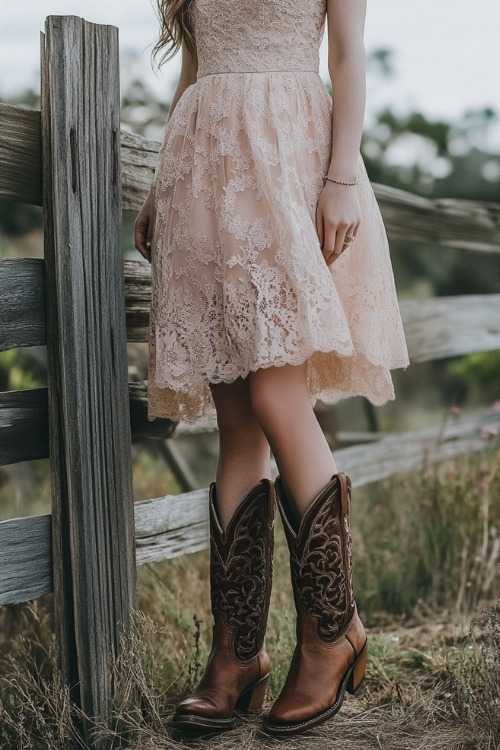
[{"x": 272, "y": 286}]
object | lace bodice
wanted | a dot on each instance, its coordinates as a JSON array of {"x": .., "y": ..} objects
[{"x": 252, "y": 36}]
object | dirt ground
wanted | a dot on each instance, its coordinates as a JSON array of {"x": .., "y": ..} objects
[
  {"x": 402, "y": 705},
  {"x": 405, "y": 702}
]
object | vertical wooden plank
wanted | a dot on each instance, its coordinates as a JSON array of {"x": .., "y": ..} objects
[{"x": 93, "y": 529}]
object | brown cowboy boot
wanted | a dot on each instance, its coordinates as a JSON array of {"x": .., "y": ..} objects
[
  {"x": 330, "y": 655},
  {"x": 240, "y": 582}
]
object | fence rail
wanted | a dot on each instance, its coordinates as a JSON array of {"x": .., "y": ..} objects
[
  {"x": 458, "y": 224},
  {"x": 178, "y": 524},
  {"x": 435, "y": 328}
]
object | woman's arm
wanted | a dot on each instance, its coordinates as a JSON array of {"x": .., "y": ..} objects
[
  {"x": 189, "y": 71},
  {"x": 347, "y": 68},
  {"x": 338, "y": 213},
  {"x": 144, "y": 221}
]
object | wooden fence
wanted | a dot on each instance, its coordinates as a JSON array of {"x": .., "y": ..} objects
[{"x": 83, "y": 302}]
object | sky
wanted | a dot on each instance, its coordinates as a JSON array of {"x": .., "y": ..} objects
[{"x": 446, "y": 52}]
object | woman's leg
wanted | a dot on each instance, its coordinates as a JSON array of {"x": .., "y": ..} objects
[
  {"x": 330, "y": 654},
  {"x": 244, "y": 455},
  {"x": 281, "y": 402},
  {"x": 242, "y": 502}
]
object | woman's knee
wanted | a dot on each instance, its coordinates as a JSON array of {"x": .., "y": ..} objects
[
  {"x": 276, "y": 393},
  {"x": 265, "y": 401},
  {"x": 234, "y": 410}
]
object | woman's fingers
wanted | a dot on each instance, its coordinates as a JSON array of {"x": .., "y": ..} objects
[
  {"x": 319, "y": 228},
  {"x": 338, "y": 216},
  {"x": 143, "y": 237},
  {"x": 338, "y": 240}
]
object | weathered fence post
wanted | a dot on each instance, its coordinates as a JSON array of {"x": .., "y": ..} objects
[{"x": 93, "y": 530}]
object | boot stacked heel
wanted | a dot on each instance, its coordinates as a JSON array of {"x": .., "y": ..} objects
[
  {"x": 252, "y": 699},
  {"x": 358, "y": 671}
]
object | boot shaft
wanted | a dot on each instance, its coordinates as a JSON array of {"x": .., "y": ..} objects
[
  {"x": 241, "y": 568},
  {"x": 320, "y": 558}
]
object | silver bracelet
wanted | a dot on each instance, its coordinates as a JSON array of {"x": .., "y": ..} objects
[{"x": 339, "y": 182}]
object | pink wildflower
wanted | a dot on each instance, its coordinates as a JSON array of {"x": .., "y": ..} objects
[{"x": 489, "y": 432}]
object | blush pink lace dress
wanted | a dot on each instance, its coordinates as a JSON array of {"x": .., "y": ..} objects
[{"x": 239, "y": 281}]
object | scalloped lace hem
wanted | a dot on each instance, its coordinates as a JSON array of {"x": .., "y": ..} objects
[{"x": 189, "y": 402}]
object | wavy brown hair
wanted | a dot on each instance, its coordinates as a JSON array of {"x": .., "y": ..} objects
[{"x": 176, "y": 28}]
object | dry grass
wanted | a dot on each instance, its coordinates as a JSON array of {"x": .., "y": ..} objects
[
  {"x": 445, "y": 695},
  {"x": 430, "y": 540},
  {"x": 425, "y": 545}
]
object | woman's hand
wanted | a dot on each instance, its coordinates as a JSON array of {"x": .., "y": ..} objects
[
  {"x": 338, "y": 216},
  {"x": 144, "y": 227}
]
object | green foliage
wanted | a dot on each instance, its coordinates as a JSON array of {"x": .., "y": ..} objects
[
  {"x": 13, "y": 374},
  {"x": 380, "y": 61},
  {"x": 436, "y": 131},
  {"x": 481, "y": 371},
  {"x": 27, "y": 98},
  {"x": 25, "y": 489},
  {"x": 433, "y": 157},
  {"x": 17, "y": 219}
]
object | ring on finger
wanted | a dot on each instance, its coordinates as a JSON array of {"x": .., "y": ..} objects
[{"x": 348, "y": 238}]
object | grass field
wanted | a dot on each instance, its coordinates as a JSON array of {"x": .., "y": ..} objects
[{"x": 426, "y": 552}]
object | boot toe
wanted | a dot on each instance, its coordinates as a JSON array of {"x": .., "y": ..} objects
[
  {"x": 201, "y": 706},
  {"x": 292, "y": 710}
]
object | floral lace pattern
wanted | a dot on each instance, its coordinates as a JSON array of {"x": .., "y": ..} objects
[
  {"x": 258, "y": 35},
  {"x": 239, "y": 282}
]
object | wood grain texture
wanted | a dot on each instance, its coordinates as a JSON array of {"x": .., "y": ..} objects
[
  {"x": 139, "y": 157},
  {"x": 20, "y": 154},
  {"x": 442, "y": 327},
  {"x": 25, "y": 559},
  {"x": 435, "y": 328},
  {"x": 93, "y": 531},
  {"x": 447, "y": 222},
  {"x": 24, "y": 423},
  {"x": 396, "y": 454},
  {"x": 177, "y": 524},
  {"x": 170, "y": 526},
  {"x": 22, "y": 291},
  {"x": 137, "y": 299},
  {"x": 22, "y": 283}
]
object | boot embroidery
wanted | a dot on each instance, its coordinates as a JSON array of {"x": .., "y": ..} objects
[
  {"x": 321, "y": 572},
  {"x": 240, "y": 578},
  {"x": 350, "y": 589}
]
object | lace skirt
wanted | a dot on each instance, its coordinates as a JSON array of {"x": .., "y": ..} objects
[{"x": 238, "y": 279}]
